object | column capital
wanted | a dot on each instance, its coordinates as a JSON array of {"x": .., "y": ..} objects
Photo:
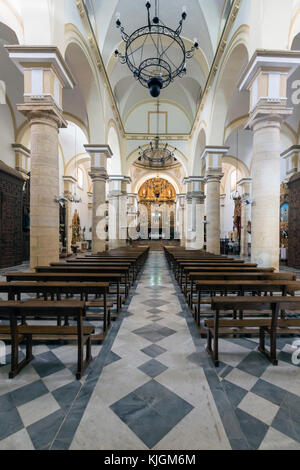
[
  {"x": 99, "y": 154},
  {"x": 213, "y": 177},
  {"x": 213, "y": 156},
  {"x": 22, "y": 155},
  {"x": 69, "y": 179},
  {"x": 181, "y": 198},
  {"x": 266, "y": 78},
  {"x": 292, "y": 158},
  {"x": 194, "y": 185},
  {"x": 245, "y": 185},
  {"x": 45, "y": 75},
  {"x": 98, "y": 174},
  {"x": 43, "y": 113},
  {"x": 118, "y": 185}
]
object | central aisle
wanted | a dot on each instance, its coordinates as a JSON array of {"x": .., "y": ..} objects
[{"x": 153, "y": 394}]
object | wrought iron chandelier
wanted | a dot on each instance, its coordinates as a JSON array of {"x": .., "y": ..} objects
[
  {"x": 155, "y": 53},
  {"x": 157, "y": 153}
]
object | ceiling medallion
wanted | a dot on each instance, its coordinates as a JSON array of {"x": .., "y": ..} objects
[{"x": 155, "y": 53}]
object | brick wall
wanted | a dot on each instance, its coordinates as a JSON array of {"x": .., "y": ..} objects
[
  {"x": 294, "y": 222},
  {"x": 11, "y": 235}
]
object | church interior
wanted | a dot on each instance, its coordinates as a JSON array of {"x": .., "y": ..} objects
[{"x": 149, "y": 225}]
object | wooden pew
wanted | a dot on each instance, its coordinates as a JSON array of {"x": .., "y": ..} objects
[
  {"x": 225, "y": 276},
  {"x": 123, "y": 271},
  {"x": 188, "y": 270},
  {"x": 111, "y": 278},
  {"x": 14, "y": 291},
  {"x": 249, "y": 325},
  {"x": 15, "y": 310},
  {"x": 240, "y": 288}
]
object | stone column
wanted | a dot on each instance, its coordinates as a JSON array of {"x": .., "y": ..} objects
[
  {"x": 245, "y": 192},
  {"x": 133, "y": 209},
  {"x": 195, "y": 219},
  {"x": 292, "y": 159},
  {"x": 22, "y": 163},
  {"x": 213, "y": 175},
  {"x": 222, "y": 216},
  {"x": 69, "y": 182},
  {"x": 181, "y": 201},
  {"x": 99, "y": 155},
  {"x": 118, "y": 211},
  {"x": 266, "y": 79},
  {"x": 45, "y": 76}
]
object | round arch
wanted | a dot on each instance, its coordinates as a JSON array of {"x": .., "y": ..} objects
[
  {"x": 85, "y": 101},
  {"x": 10, "y": 18},
  {"x": 114, "y": 164},
  {"x": 236, "y": 59},
  {"x": 139, "y": 183},
  {"x": 199, "y": 148}
]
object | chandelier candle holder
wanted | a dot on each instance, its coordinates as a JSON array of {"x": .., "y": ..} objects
[
  {"x": 157, "y": 154},
  {"x": 155, "y": 53}
]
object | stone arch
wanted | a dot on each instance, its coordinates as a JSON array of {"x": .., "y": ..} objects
[
  {"x": 236, "y": 59},
  {"x": 85, "y": 100},
  {"x": 199, "y": 148},
  {"x": 138, "y": 184},
  {"x": 10, "y": 17},
  {"x": 11, "y": 93},
  {"x": 114, "y": 164}
]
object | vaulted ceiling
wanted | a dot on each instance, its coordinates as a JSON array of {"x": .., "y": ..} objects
[{"x": 205, "y": 21}]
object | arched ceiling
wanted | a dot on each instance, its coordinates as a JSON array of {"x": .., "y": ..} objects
[{"x": 205, "y": 21}]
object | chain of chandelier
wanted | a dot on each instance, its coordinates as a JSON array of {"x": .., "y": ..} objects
[{"x": 149, "y": 51}]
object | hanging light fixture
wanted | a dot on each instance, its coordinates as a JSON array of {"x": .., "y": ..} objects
[
  {"x": 148, "y": 52},
  {"x": 236, "y": 195},
  {"x": 157, "y": 153}
]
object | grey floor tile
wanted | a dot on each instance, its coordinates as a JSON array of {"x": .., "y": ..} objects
[
  {"x": 254, "y": 363},
  {"x": 10, "y": 420},
  {"x": 47, "y": 364},
  {"x": 153, "y": 368},
  {"x": 43, "y": 432},
  {"x": 28, "y": 393},
  {"x": 235, "y": 394},
  {"x": 287, "y": 420},
  {"x": 154, "y": 350},
  {"x": 269, "y": 392},
  {"x": 253, "y": 429}
]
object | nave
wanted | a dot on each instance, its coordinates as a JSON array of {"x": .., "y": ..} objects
[{"x": 152, "y": 385}]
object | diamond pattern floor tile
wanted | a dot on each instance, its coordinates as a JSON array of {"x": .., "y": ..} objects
[{"x": 145, "y": 411}]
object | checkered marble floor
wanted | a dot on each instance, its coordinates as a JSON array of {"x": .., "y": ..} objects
[{"x": 152, "y": 386}]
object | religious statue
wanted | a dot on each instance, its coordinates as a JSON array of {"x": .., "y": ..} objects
[{"x": 76, "y": 228}]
